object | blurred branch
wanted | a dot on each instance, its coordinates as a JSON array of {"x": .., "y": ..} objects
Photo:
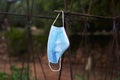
[{"x": 66, "y": 12}]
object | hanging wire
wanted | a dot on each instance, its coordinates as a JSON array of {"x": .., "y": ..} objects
[
  {"x": 33, "y": 56},
  {"x": 115, "y": 46},
  {"x": 71, "y": 5},
  {"x": 65, "y": 4},
  {"x": 60, "y": 72},
  {"x": 24, "y": 60},
  {"x": 32, "y": 6},
  {"x": 28, "y": 36},
  {"x": 67, "y": 18},
  {"x": 66, "y": 12},
  {"x": 39, "y": 58},
  {"x": 23, "y": 64},
  {"x": 30, "y": 42},
  {"x": 68, "y": 25},
  {"x": 85, "y": 40},
  {"x": 112, "y": 51},
  {"x": 70, "y": 52}
]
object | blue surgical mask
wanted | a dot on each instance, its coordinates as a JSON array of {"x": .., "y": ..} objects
[{"x": 58, "y": 43}]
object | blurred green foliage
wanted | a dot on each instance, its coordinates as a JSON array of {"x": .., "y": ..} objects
[
  {"x": 40, "y": 42},
  {"x": 16, "y": 40},
  {"x": 3, "y": 76},
  {"x": 16, "y": 74}
]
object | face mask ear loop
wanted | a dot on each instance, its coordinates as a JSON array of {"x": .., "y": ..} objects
[
  {"x": 56, "y": 19},
  {"x": 62, "y": 18},
  {"x": 55, "y": 70}
]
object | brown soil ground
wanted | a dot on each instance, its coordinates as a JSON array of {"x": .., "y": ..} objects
[
  {"x": 50, "y": 75},
  {"x": 100, "y": 71}
]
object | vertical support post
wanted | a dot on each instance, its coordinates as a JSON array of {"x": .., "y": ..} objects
[
  {"x": 67, "y": 18},
  {"x": 28, "y": 38},
  {"x": 5, "y": 27}
]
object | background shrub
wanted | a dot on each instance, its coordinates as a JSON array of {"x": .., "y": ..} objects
[{"x": 16, "y": 40}]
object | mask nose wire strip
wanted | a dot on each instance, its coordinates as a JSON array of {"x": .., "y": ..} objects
[{"x": 60, "y": 58}]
